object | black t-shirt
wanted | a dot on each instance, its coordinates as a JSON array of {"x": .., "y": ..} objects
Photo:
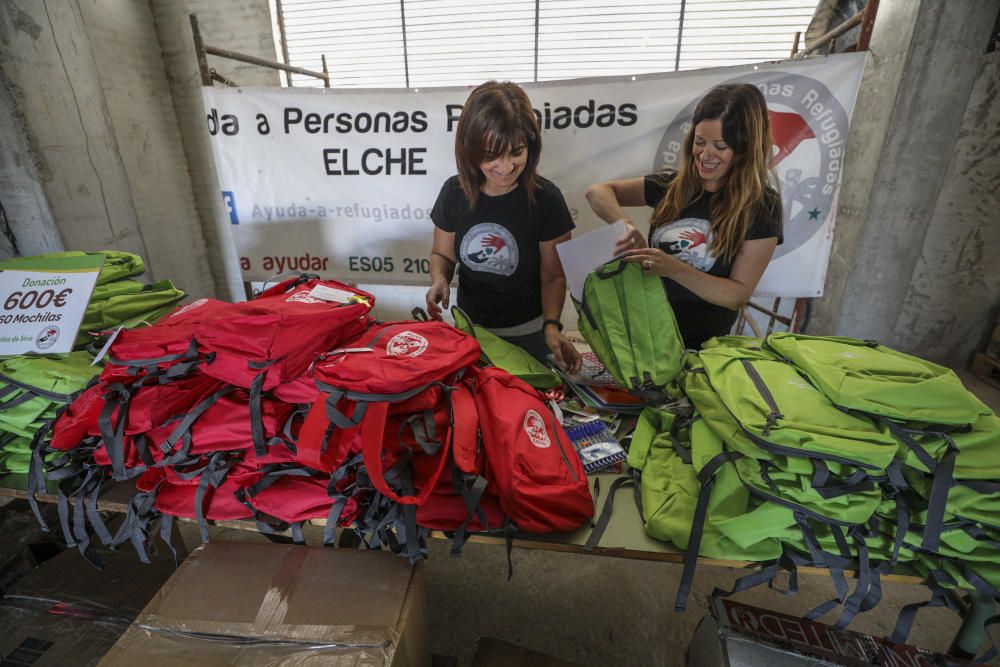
[
  {"x": 499, "y": 262},
  {"x": 689, "y": 239}
]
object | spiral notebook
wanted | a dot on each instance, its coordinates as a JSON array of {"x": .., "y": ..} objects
[{"x": 593, "y": 373}]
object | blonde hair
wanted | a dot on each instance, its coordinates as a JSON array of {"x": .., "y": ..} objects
[
  {"x": 750, "y": 189},
  {"x": 496, "y": 118}
]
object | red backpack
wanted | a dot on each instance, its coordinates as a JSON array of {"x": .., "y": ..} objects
[
  {"x": 221, "y": 422},
  {"x": 530, "y": 462},
  {"x": 323, "y": 445},
  {"x": 399, "y": 368},
  {"x": 217, "y": 504},
  {"x": 289, "y": 495},
  {"x": 461, "y": 500},
  {"x": 272, "y": 339},
  {"x": 158, "y": 497},
  {"x": 167, "y": 347},
  {"x": 302, "y": 390},
  {"x": 387, "y": 403},
  {"x": 454, "y": 507},
  {"x": 74, "y": 422},
  {"x": 139, "y": 410},
  {"x": 224, "y": 425}
]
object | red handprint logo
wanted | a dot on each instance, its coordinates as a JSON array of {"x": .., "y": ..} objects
[
  {"x": 491, "y": 245},
  {"x": 687, "y": 240}
]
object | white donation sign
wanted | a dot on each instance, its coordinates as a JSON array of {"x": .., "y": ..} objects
[{"x": 42, "y": 302}]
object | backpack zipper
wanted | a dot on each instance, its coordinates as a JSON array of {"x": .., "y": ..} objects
[
  {"x": 555, "y": 434},
  {"x": 765, "y": 393}
]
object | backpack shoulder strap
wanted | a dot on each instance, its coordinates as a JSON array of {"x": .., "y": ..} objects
[
  {"x": 371, "y": 432},
  {"x": 466, "y": 449}
]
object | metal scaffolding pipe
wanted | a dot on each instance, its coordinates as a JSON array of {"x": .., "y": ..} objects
[{"x": 832, "y": 35}]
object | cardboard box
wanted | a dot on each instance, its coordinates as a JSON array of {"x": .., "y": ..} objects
[
  {"x": 273, "y": 604},
  {"x": 738, "y": 635},
  {"x": 66, "y": 612},
  {"x": 492, "y": 652}
]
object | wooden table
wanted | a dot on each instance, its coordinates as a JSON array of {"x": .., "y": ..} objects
[{"x": 624, "y": 537}]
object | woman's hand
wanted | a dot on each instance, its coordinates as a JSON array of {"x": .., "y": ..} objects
[
  {"x": 439, "y": 293},
  {"x": 633, "y": 239},
  {"x": 565, "y": 354},
  {"x": 654, "y": 261}
]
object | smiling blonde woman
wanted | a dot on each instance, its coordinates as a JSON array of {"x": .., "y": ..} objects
[{"x": 716, "y": 220}]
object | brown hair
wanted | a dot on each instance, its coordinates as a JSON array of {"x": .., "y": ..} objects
[
  {"x": 750, "y": 188},
  {"x": 496, "y": 118}
]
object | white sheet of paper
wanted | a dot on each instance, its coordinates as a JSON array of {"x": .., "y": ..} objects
[{"x": 582, "y": 254}]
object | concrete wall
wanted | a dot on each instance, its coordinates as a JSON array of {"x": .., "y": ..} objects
[
  {"x": 90, "y": 119},
  {"x": 954, "y": 293},
  {"x": 28, "y": 226},
  {"x": 53, "y": 84},
  {"x": 127, "y": 56},
  {"x": 237, "y": 25},
  {"x": 870, "y": 125},
  {"x": 903, "y": 164}
]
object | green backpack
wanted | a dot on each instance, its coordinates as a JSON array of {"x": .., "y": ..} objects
[
  {"x": 787, "y": 460},
  {"x": 507, "y": 356},
  {"x": 627, "y": 320},
  {"x": 968, "y": 558},
  {"x": 15, "y": 454},
  {"x": 814, "y": 466},
  {"x": 868, "y": 377},
  {"x": 33, "y": 388},
  {"x": 947, "y": 504},
  {"x": 32, "y": 391},
  {"x": 669, "y": 460},
  {"x": 947, "y": 437},
  {"x": 690, "y": 496},
  {"x": 117, "y": 263},
  {"x": 774, "y": 411},
  {"x": 965, "y": 483},
  {"x": 695, "y": 496},
  {"x": 733, "y": 341},
  {"x": 127, "y": 303},
  {"x": 833, "y": 486}
]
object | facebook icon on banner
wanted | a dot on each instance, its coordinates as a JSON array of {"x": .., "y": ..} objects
[{"x": 229, "y": 199}]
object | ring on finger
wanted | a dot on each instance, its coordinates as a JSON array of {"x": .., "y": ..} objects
[{"x": 648, "y": 264}]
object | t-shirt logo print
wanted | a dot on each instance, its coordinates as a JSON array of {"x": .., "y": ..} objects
[
  {"x": 687, "y": 239},
  {"x": 406, "y": 344},
  {"x": 534, "y": 426},
  {"x": 490, "y": 248}
]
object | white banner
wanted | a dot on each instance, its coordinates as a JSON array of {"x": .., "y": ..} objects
[{"x": 341, "y": 182}]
